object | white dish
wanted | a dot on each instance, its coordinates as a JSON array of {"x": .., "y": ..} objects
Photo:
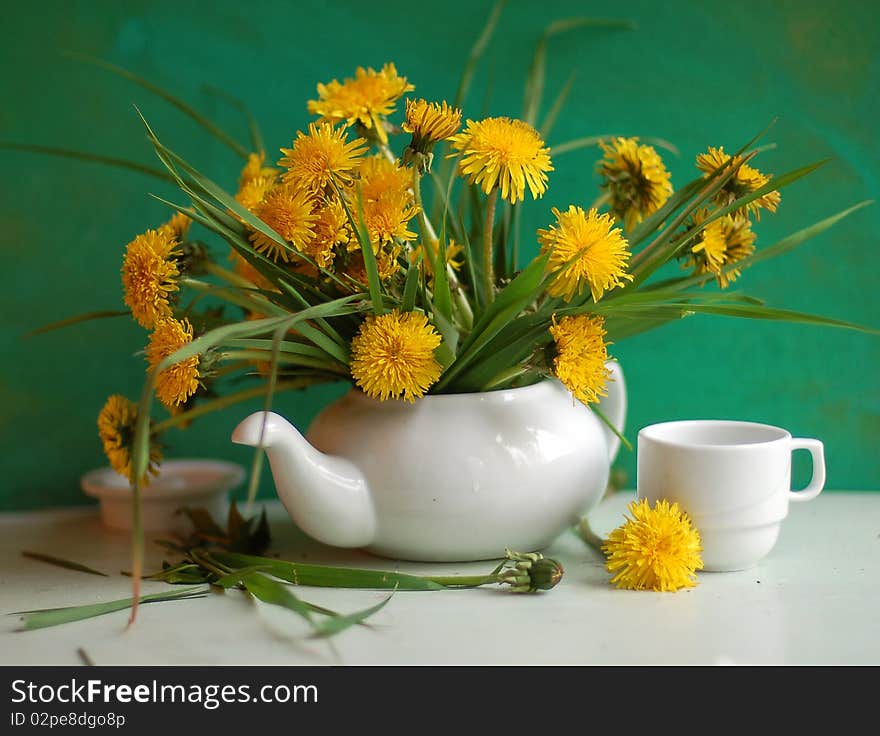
[{"x": 190, "y": 482}]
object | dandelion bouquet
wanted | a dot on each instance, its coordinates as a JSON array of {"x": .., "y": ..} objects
[{"x": 381, "y": 245}]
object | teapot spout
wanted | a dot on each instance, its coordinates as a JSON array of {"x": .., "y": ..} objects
[{"x": 326, "y": 496}]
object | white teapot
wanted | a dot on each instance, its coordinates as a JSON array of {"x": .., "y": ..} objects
[{"x": 451, "y": 477}]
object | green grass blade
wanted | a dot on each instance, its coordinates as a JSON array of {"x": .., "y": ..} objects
[
  {"x": 464, "y": 84},
  {"x": 781, "y": 247},
  {"x": 537, "y": 72},
  {"x": 776, "y": 182},
  {"x": 373, "y": 282},
  {"x": 671, "y": 248},
  {"x": 75, "y": 320},
  {"x": 55, "y": 616},
  {"x": 269, "y": 591},
  {"x": 442, "y": 294},
  {"x": 185, "y": 108},
  {"x": 509, "y": 302},
  {"x": 254, "y": 131},
  {"x": 60, "y": 562},
  {"x": 303, "y": 303},
  {"x": 326, "y": 576},
  {"x": 776, "y": 315},
  {"x": 237, "y": 397},
  {"x": 556, "y": 107},
  {"x": 477, "y": 51},
  {"x": 338, "y": 623},
  {"x": 708, "y": 304},
  {"x": 594, "y": 140},
  {"x": 652, "y": 222},
  {"x": 119, "y": 163},
  {"x": 411, "y": 285}
]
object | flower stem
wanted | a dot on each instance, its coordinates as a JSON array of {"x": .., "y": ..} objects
[
  {"x": 462, "y": 581},
  {"x": 230, "y": 277},
  {"x": 488, "y": 265},
  {"x": 590, "y": 537},
  {"x": 429, "y": 236}
]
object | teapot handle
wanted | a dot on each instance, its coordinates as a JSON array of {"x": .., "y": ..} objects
[{"x": 613, "y": 406}]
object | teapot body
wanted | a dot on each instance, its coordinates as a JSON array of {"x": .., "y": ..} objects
[{"x": 462, "y": 476}]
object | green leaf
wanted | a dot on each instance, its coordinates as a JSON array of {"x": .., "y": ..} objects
[
  {"x": 594, "y": 140},
  {"x": 338, "y": 623},
  {"x": 269, "y": 591},
  {"x": 654, "y": 221},
  {"x": 44, "y": 618},
  {"x": 665, "y": 245},
  {"x": 537, "y": 72},
  {"x": 411, "y": 285},
  {"x": 231, "y": 399},
  {"x": 373, "y": 282},
  {"x": 168, "y": 97},
  {"x": 711, "y": 306},
  {"x": 253, "y": 126},
  {"x": 477, "y": 51},
  {"x": 776, "y": 182},
  {"x": 69, "y": 321},
  {"x": 96, "y": 158},
  {"x": 212, "y": 338},
  {"x": 442, "y": 294},
  {"x": 326, "y": 576},
  {"x": 670, "y": 249},
  {"x": 59, "y": 562},
  {"x": 509, "y": 302},
  {"x": 781, "y": 247},
  {"x": 556, "y": 108}
]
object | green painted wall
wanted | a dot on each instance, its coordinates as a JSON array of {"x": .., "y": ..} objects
[{"x": 694, "y": 72}]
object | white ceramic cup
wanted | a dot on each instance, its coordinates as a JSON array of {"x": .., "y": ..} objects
[{"x": 732, "y": 478}]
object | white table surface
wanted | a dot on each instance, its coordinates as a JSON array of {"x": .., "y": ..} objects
[{"x": 814, "y": 600}]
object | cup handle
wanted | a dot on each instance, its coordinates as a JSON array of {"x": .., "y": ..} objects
[{"x": 817, "y": 482}]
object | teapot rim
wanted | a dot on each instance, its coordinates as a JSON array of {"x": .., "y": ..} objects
[{"x": 499, "y": 395}]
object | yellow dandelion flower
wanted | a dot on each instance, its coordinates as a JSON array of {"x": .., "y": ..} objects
[
  {"x": 429, "y": 123},
  {"x": 366, "y": 99},
  {"x": 581, "y": 353},
  {"x": 178, "y": 382},
  {"x": 745, "y": 181},
  {"x": 387, "y": 219},
  {"x": 289, "y": 212},
  {"x": 585, "y": 249},
  {"x": 656, "y": 549},
  {"x": 149, "y": 276},
  {"x": 256, "y": 168},
  {"x": 503, "y": 153},
  {"x": 254, "y": 191},
  {"x": 635, "y": 178},
  {"x": 177, "y": 227},
  {"x": 322, "y": 156},
  {"x": 723, "y": 242},
  {"x": 116, "y": 427},
  {"x": 332, "y": 231},
  {"x": 381, "y": 178},
  {"x": 393, "y": 356}
]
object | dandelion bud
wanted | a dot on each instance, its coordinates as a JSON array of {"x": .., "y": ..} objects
[{"x": 531, "y": 572}]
